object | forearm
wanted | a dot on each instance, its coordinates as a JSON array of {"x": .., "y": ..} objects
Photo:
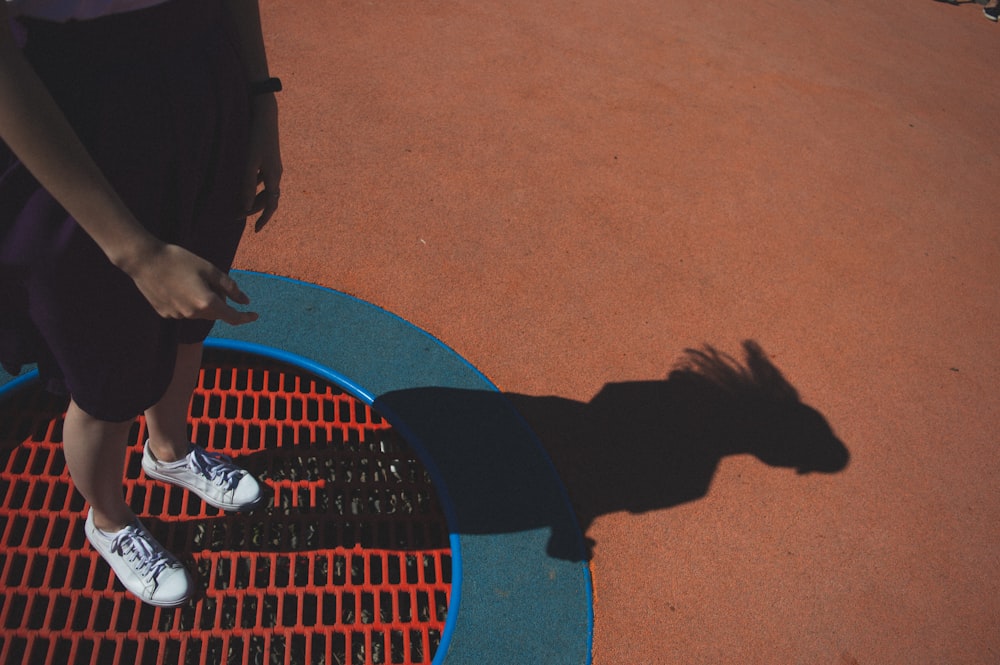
[
  {"x": 246, "y": 16},
  {"x": 34, "y": 127},
  {"x": 264, "y": 156}
]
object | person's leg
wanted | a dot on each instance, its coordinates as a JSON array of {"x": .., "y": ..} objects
[
  {"x": 170, "y": 456},
  {"x": 166, "y": 421},
  {"x": 95, "y": 455}
]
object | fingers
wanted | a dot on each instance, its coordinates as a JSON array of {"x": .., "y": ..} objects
[
  {"x": 216, "y": 309},
  {"x": 213, "y": 308},
  {"x": 264, "y": 202},
  {"x": 230, "y": 289},
  {"x": 219, "y": 309},
  {"x": 233, "y": 317},
  {"x": 252, "y": 180}
]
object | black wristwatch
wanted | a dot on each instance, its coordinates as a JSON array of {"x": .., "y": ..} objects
[{"x": 265, "y": 87}]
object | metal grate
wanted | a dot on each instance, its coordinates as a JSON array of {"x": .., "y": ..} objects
[{"x": 348, "y": 563}]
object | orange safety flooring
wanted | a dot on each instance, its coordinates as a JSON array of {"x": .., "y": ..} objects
[{"x": 571, "y": 194}]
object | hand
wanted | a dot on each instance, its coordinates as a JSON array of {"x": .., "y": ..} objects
[
  {"x": 181, "y": 285},
  {"x": 264, "y": 161}
]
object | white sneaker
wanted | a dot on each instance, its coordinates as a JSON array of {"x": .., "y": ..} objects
[
  {"x": 141, "y": 564},
  {"x": 212, "y": 476}
]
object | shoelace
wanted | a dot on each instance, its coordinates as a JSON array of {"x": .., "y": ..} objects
[
  {"x": 216, "y": 467},
  {"x": 134, "y": 543}
]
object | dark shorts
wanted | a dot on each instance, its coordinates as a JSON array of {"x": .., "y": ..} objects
[{"x": 159, "y": 98}]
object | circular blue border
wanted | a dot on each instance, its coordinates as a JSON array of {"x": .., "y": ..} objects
[{"x": 512, "y": 600}]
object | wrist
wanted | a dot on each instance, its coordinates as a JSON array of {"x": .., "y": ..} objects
[{"x": 130, "y": 256}]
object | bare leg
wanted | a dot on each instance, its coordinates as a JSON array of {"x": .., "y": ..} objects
[
  {"x": 95, "y": 455},
  {"x": 167, "y": 419},
  {"x": 215, "y": 478}
]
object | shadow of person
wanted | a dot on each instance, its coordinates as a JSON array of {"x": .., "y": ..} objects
[
  {"x": 650, "y": 445},
  {"x": 637, "y": 446}
]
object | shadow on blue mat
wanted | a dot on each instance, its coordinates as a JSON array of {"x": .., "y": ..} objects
[{"x": 637, "y": 446}]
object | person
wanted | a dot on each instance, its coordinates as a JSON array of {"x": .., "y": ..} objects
[
  {"x": 992, "y": 12},
  {"x": 136, "y": 139}
]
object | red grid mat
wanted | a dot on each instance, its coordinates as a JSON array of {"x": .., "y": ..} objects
[{"x": 347, "y": 563}]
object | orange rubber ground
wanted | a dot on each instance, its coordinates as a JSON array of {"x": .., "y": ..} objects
[{"x": 569, "y": 194}]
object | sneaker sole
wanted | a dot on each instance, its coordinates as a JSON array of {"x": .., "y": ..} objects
[{"x": 150, "y": 601}]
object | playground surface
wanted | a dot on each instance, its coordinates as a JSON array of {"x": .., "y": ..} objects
[{"x": 571, "y": 195}]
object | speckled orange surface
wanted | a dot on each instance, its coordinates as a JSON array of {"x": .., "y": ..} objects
[{"x": 569, "y": 194}]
